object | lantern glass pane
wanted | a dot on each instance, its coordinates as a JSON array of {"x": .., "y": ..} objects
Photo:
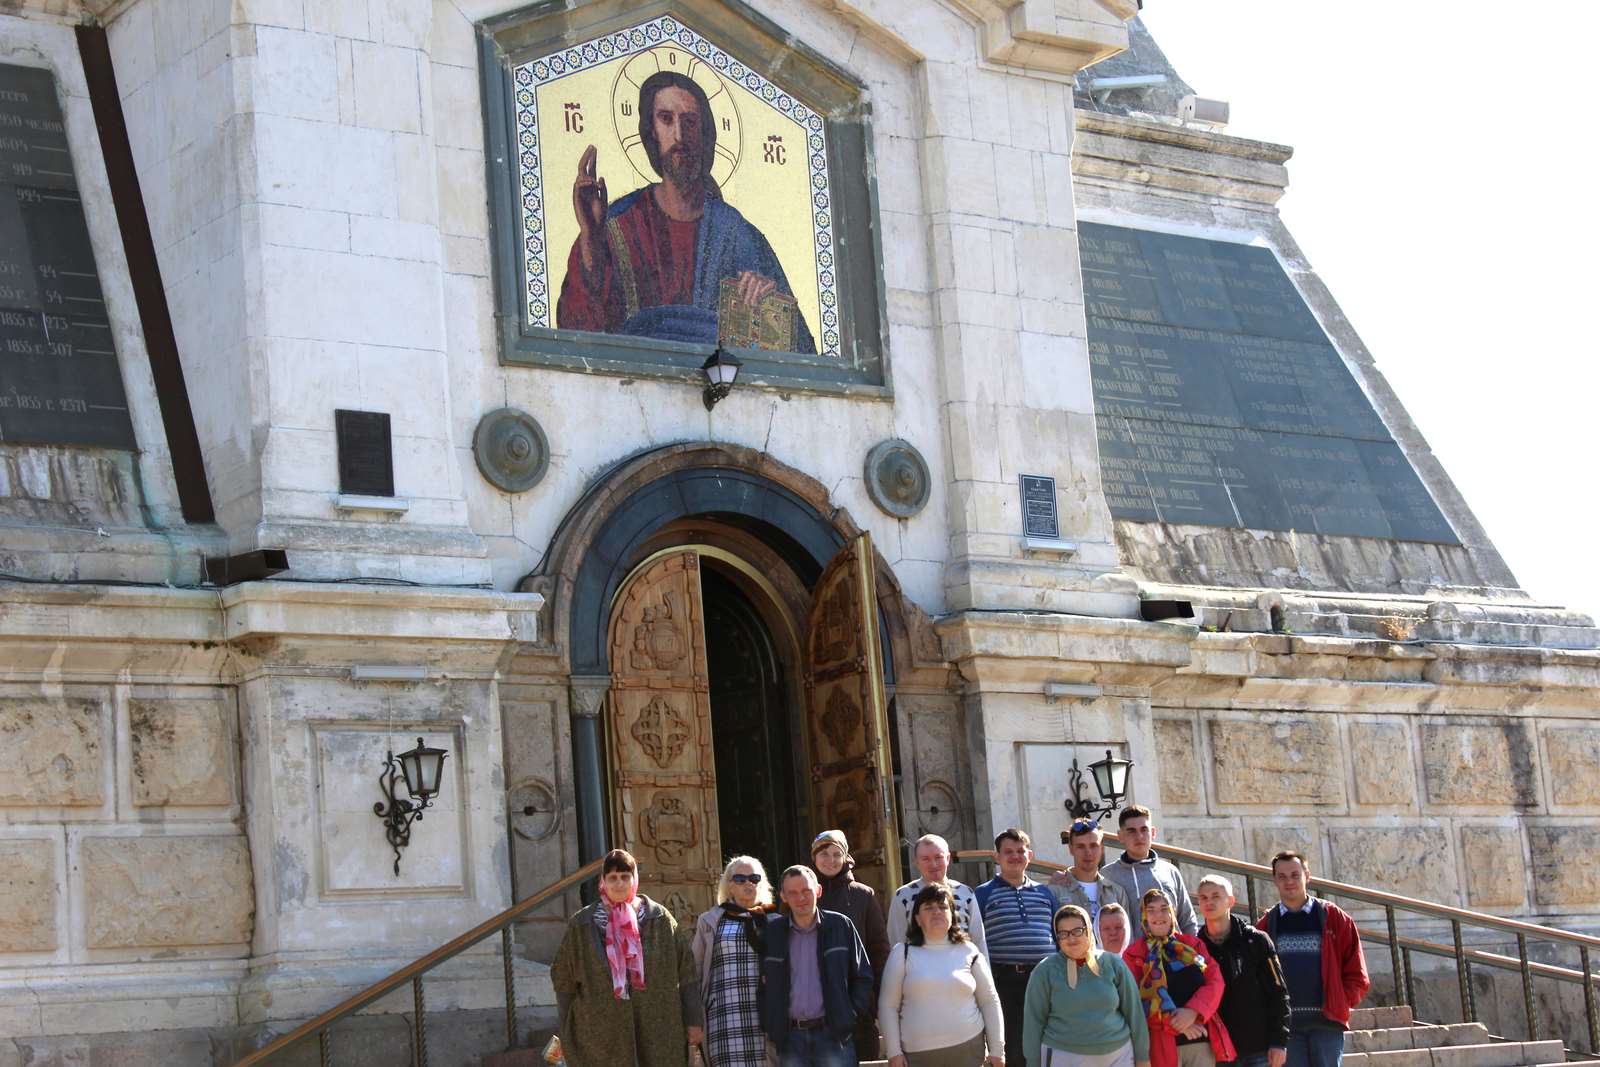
[
  {"x": 1101, "y": 769},
  {"x": 432, "y": 763},
  {"x": 409, "y": 768},
  {"x": 1119, "y": 777}
]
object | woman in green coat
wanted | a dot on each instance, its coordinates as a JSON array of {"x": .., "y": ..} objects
[{"x": 627, "y": 991}]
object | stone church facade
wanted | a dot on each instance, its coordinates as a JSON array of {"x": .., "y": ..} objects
[{"x": 634, "y": 618}]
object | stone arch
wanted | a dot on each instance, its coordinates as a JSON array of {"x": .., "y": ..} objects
[{"x": 592, "y": 549}]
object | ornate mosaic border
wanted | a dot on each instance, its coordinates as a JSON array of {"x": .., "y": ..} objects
[{"x": 539, "y": 305}]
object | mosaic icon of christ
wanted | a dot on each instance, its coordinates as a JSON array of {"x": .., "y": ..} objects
[{"x": 668, "y": 259}]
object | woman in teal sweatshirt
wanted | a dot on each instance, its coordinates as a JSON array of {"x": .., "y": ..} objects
[{"x": 1082, "y": 1008}]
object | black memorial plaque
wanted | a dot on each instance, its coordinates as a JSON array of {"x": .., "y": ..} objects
[
  {"x": 1220, "y": 402},
  {"x": 1040, "y": 517},
  {"x": 59, "y": 379},
  {"x": 366, "y": 453}
]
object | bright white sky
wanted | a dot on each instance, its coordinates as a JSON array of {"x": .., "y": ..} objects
[{"x": 1442, "y": 186}]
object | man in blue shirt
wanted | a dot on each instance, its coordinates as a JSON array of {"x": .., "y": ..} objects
[{"x": 1021, "y": 911}]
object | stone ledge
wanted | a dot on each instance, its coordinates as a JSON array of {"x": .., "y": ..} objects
[{"x": 1058, "y": 36}]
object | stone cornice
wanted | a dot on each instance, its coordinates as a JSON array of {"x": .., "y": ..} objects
[
  {"x": 1056, "y": 36},
  {"x": 1149, "y": 154}
]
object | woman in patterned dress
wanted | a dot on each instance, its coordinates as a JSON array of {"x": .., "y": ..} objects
[{"x": 727, "y": 948}]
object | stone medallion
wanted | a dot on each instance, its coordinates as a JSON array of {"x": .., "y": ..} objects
[
  {"x": 897, "y": 478},
  {"x": 511, "y": 450}
]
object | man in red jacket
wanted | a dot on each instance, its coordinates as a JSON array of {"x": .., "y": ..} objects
[{"x": 1320, "y": 950}]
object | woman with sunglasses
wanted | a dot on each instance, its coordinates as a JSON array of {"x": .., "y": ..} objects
[
  {"x": 727, "y": 949},
  {"x": 937, "y": 1006},
  {"x": 1181, "y": 986},
  {"x": 1082, "y": 1008}
]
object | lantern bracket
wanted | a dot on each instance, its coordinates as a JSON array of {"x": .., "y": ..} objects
[{"x": 397, "y": 812}]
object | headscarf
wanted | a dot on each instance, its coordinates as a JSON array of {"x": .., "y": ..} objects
[
  {"x": 1161, "y": 953},
  {"x": 624, "y": 946},
  {"x": 1091, "y": 960},
  {"x": 751, "y": 920}
]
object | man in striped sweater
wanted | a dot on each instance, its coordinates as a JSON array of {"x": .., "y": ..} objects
[
  {"x": 932, "y": 854},
  {"x": 1018, "y": 914}
]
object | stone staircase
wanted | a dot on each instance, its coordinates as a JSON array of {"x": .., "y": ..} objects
[{"x": 1378, "y": 1037}]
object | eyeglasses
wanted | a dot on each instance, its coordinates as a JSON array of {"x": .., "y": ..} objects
[
  {"x": 742, "y": 879},
  {"x": 1074, "y": 933}
]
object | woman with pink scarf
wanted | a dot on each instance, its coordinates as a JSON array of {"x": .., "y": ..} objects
[{"x": 627, "y": 989}]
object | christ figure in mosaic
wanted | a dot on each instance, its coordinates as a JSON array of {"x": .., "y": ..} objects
[{"x": 661, "y": 261}]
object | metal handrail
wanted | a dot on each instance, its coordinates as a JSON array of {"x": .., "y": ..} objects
[
  {"x": 1400, "y": 948},
  {"x": 413, "y": 972}
]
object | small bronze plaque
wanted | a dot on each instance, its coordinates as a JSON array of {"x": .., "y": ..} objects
[{"x": 366, "y": 454}]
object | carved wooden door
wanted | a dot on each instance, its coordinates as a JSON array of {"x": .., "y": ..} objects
[
  {"x": 847, "y": 719},
  {"x": 664, "y": 779}
]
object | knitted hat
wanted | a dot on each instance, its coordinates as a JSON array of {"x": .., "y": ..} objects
[{"x": 830, "y": 837}]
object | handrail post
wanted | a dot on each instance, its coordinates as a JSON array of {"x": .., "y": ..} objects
[
  {"x": 419, "y": 1044},
  {"x": 1411, "y": 976},
  {"x": 1250, "y": 894},
  {"x": 1588, "y": 1002},
  {"x": 1394, "y": 954},
  {"x": 325, "y": 1047},
  {"x": 1469, "y": 1011},
  {"x": 511, "y": 989},
  {"x": 1527, "y": 987}
]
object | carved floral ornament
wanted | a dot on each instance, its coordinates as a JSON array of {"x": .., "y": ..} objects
[
  {"x": 658, "y": 643},
  {"x": 662, "y": 731},
  {"x": 669, "y": 827},
  {"x": 841, "y": 720}
]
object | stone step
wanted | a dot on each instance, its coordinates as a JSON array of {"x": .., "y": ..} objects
[
  {"x": 1415, "y": 1036},
  {"x": 1381, "y": 1018},
  {"x": 1490, "y": 1054}
]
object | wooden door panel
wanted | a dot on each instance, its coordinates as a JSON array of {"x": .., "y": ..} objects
[
  {"x": 847, "y": 719},
  {"x": 659, "y": 734}
]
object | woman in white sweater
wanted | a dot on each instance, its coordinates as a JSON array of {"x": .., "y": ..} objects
[{"x": 937, "y": 1004}]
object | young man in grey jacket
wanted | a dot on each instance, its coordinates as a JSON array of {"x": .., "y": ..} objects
[
  {"x": 1139, "y": 869},
  {"x": 1084, "y": 883}
]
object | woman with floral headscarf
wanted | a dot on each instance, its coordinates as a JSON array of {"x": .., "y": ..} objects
[
  {"x": 1082, "y": 1005},
  {"x": 1181, "y": 987},
  {"x": 627, "y": 991}
]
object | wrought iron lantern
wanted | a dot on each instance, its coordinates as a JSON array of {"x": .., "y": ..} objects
[
  {"x": 720, "y": 369},
  {"x": 1110, "y": 780},
  {"x": 421, "y": 769}
]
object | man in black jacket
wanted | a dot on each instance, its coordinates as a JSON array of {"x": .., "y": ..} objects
[
  {"x": 816, "y": 981},
  {"x": 1255, "y": 998}
]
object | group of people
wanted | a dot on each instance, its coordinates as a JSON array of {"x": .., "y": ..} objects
[{"x": 1105, "y": 964}]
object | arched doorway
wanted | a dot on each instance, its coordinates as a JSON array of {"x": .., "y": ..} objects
[{"x": 746, "y": 712}]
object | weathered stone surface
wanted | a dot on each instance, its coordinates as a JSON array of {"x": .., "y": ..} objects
[
  {"x": 1573, "y": 755},
  {"x": 1413, "y": 860},
  {"x": 1566, "y": 864},
  {"x": 1496, "y": 873},
  {"x": 1278, "y": 760},
  {"x": 1268, "y": 841},
  {"x": 1181, "y": 780},
  {"x": 1479, "y": 764},
  {"x": 180, "y": 752},
  {"x": 27, "y": 896},
  {"x": 50, "y": 751},
  {"x": 1380, "y": 753},
  {"x": 1216, "y": 840},
  {"x": 169, "y": 891}
]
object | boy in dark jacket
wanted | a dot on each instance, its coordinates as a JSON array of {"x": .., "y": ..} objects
[
  {"x": 1255, "y": 1000},
  {"x": 816, "y": 981}
]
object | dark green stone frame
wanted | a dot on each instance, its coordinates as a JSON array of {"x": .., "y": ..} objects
[{"x": 509, "y": 40}]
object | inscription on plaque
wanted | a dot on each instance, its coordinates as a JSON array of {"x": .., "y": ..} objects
[
  {"x": 366, "y": 454},
  {"x": 1220, "y": 402},
  {"x": 59, "y": 379},
  {"x": 1039, "y": 515}
]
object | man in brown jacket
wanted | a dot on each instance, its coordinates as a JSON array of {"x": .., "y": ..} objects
[{"x": 830, "y": 852}]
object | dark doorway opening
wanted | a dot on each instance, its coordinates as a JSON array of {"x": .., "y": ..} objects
[{"x": 758, "y": 805}]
